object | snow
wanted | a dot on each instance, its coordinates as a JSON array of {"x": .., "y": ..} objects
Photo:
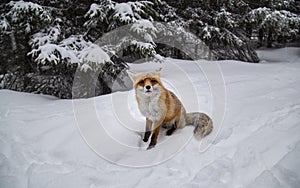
[
  {"x": 41, "y": 38},
  {"x": 94, "y": 54},
  {"x": 281, "y": 20},
  {"x": 258, "y": 144},
  {"x": 26, "y": 6},
  {"x": 129, "y": 12},
  {"x": 73, "y": 49},
  {"x": 93, "y": 10},
  {"x": 143, "y": 46},
  {"x": 208, "y": 30},
  {"x": 19, "y": 7},
  {"x": 48, "y": 53},
  {"x": 141, "y": 26},
  {"x": 4, "y": 25},
  {"x": 124, "y": 12},
  {"x": 145, "y": 28}
]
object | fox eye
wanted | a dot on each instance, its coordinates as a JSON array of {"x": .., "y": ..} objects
[
  {"x": 141, "y": 82},
  {"x": 153, "y": 81}
]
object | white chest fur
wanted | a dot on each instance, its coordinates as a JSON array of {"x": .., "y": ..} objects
[{"x": 149, "y": 106}]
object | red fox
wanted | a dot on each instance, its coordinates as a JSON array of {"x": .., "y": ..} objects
[{"x": 162, "y": 108}]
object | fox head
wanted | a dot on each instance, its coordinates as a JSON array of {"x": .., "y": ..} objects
[{"x": 147, "y": 84}]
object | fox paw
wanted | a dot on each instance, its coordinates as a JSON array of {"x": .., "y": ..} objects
[
  {"x": 170, "y": 132},
  {"x": 146, "y": 136},
  {"x": 145, "y": 139}
]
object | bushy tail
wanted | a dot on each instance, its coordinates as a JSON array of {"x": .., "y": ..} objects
[{"x": 202, "y": 122}]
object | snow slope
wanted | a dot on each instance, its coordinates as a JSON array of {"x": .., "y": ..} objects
[{"x": 258, "y": 144}]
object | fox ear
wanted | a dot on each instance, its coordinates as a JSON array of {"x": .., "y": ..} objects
[
  {"x": 158, "y": 72},
  {"x": 132, "y": 76}
]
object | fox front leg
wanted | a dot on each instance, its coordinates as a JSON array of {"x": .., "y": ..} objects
[
  {"x": 148, "y": 130},
  {"x": 155, "y": 133},
  {"x": 154, "y": 138}
]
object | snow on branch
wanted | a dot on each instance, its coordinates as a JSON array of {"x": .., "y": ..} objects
[
  {"x": 279, "y": 4},
  {"x": 281, "y": 22},
  {"x": 52, "y": 53},
  {"x": 4, "y": 24},
  {"x": 98, "y": 12},
  {"x": 145, "y": 29},
  {"x": 115, "y": 14},
  {"x": 72, "y": 50},
  {"x": 225, "y": 19},
  {"x": 131, "y": 11},
  {"x": 93, "y": 57},
  {"x": 109, "y": 15},
  {"x": 25, "y": 14},
  {"x": 94, "y": 53},
  {"x": 209, "y": 31},
  {"x": 52, "y": 35}
]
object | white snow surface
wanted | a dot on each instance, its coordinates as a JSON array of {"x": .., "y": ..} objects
[{"x": 258, "y": 144}]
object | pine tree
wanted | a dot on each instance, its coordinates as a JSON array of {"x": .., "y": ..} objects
[
  {"x": 18, "y": 21},
  {"x": 52, "y": 47},
  {"x": 43, "y": 42},
  {"x": 56, "y": 47},
  {"x": 107, "y": 15},
  {"x": 220, "y": 29},
  {"x": 273, "y": 25}
]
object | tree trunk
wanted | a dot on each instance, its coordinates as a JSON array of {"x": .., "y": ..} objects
[
  {"x": 270, "y": 39},
  {"x": 260, "y": 37}
]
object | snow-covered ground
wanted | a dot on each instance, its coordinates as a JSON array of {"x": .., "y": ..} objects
[{"x": 258, "y": 144}]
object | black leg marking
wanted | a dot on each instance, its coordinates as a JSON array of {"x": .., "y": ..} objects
[
  {"x": 148, "y": 130},
  {"x": 153, "y": 142},
  {"x": 146, "y": 136},
  {"x": 172, "y": 129},
  {"x": 154, "y": 138}
]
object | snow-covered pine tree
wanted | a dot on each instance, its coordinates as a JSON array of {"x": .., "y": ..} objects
[
  {"x": 105, "y": 16},
  {"x": 220, "y": 29},
  {"x": 55, "y": 46},
  {"x": 273, "y": 4},
  {"x": 43, "y": 42},
  {"x": 18, "y": 21},
  {"x": 173, "y": 37},
  {"x": 58, "y": 46},
  {"x": 273, "y": 25}
]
